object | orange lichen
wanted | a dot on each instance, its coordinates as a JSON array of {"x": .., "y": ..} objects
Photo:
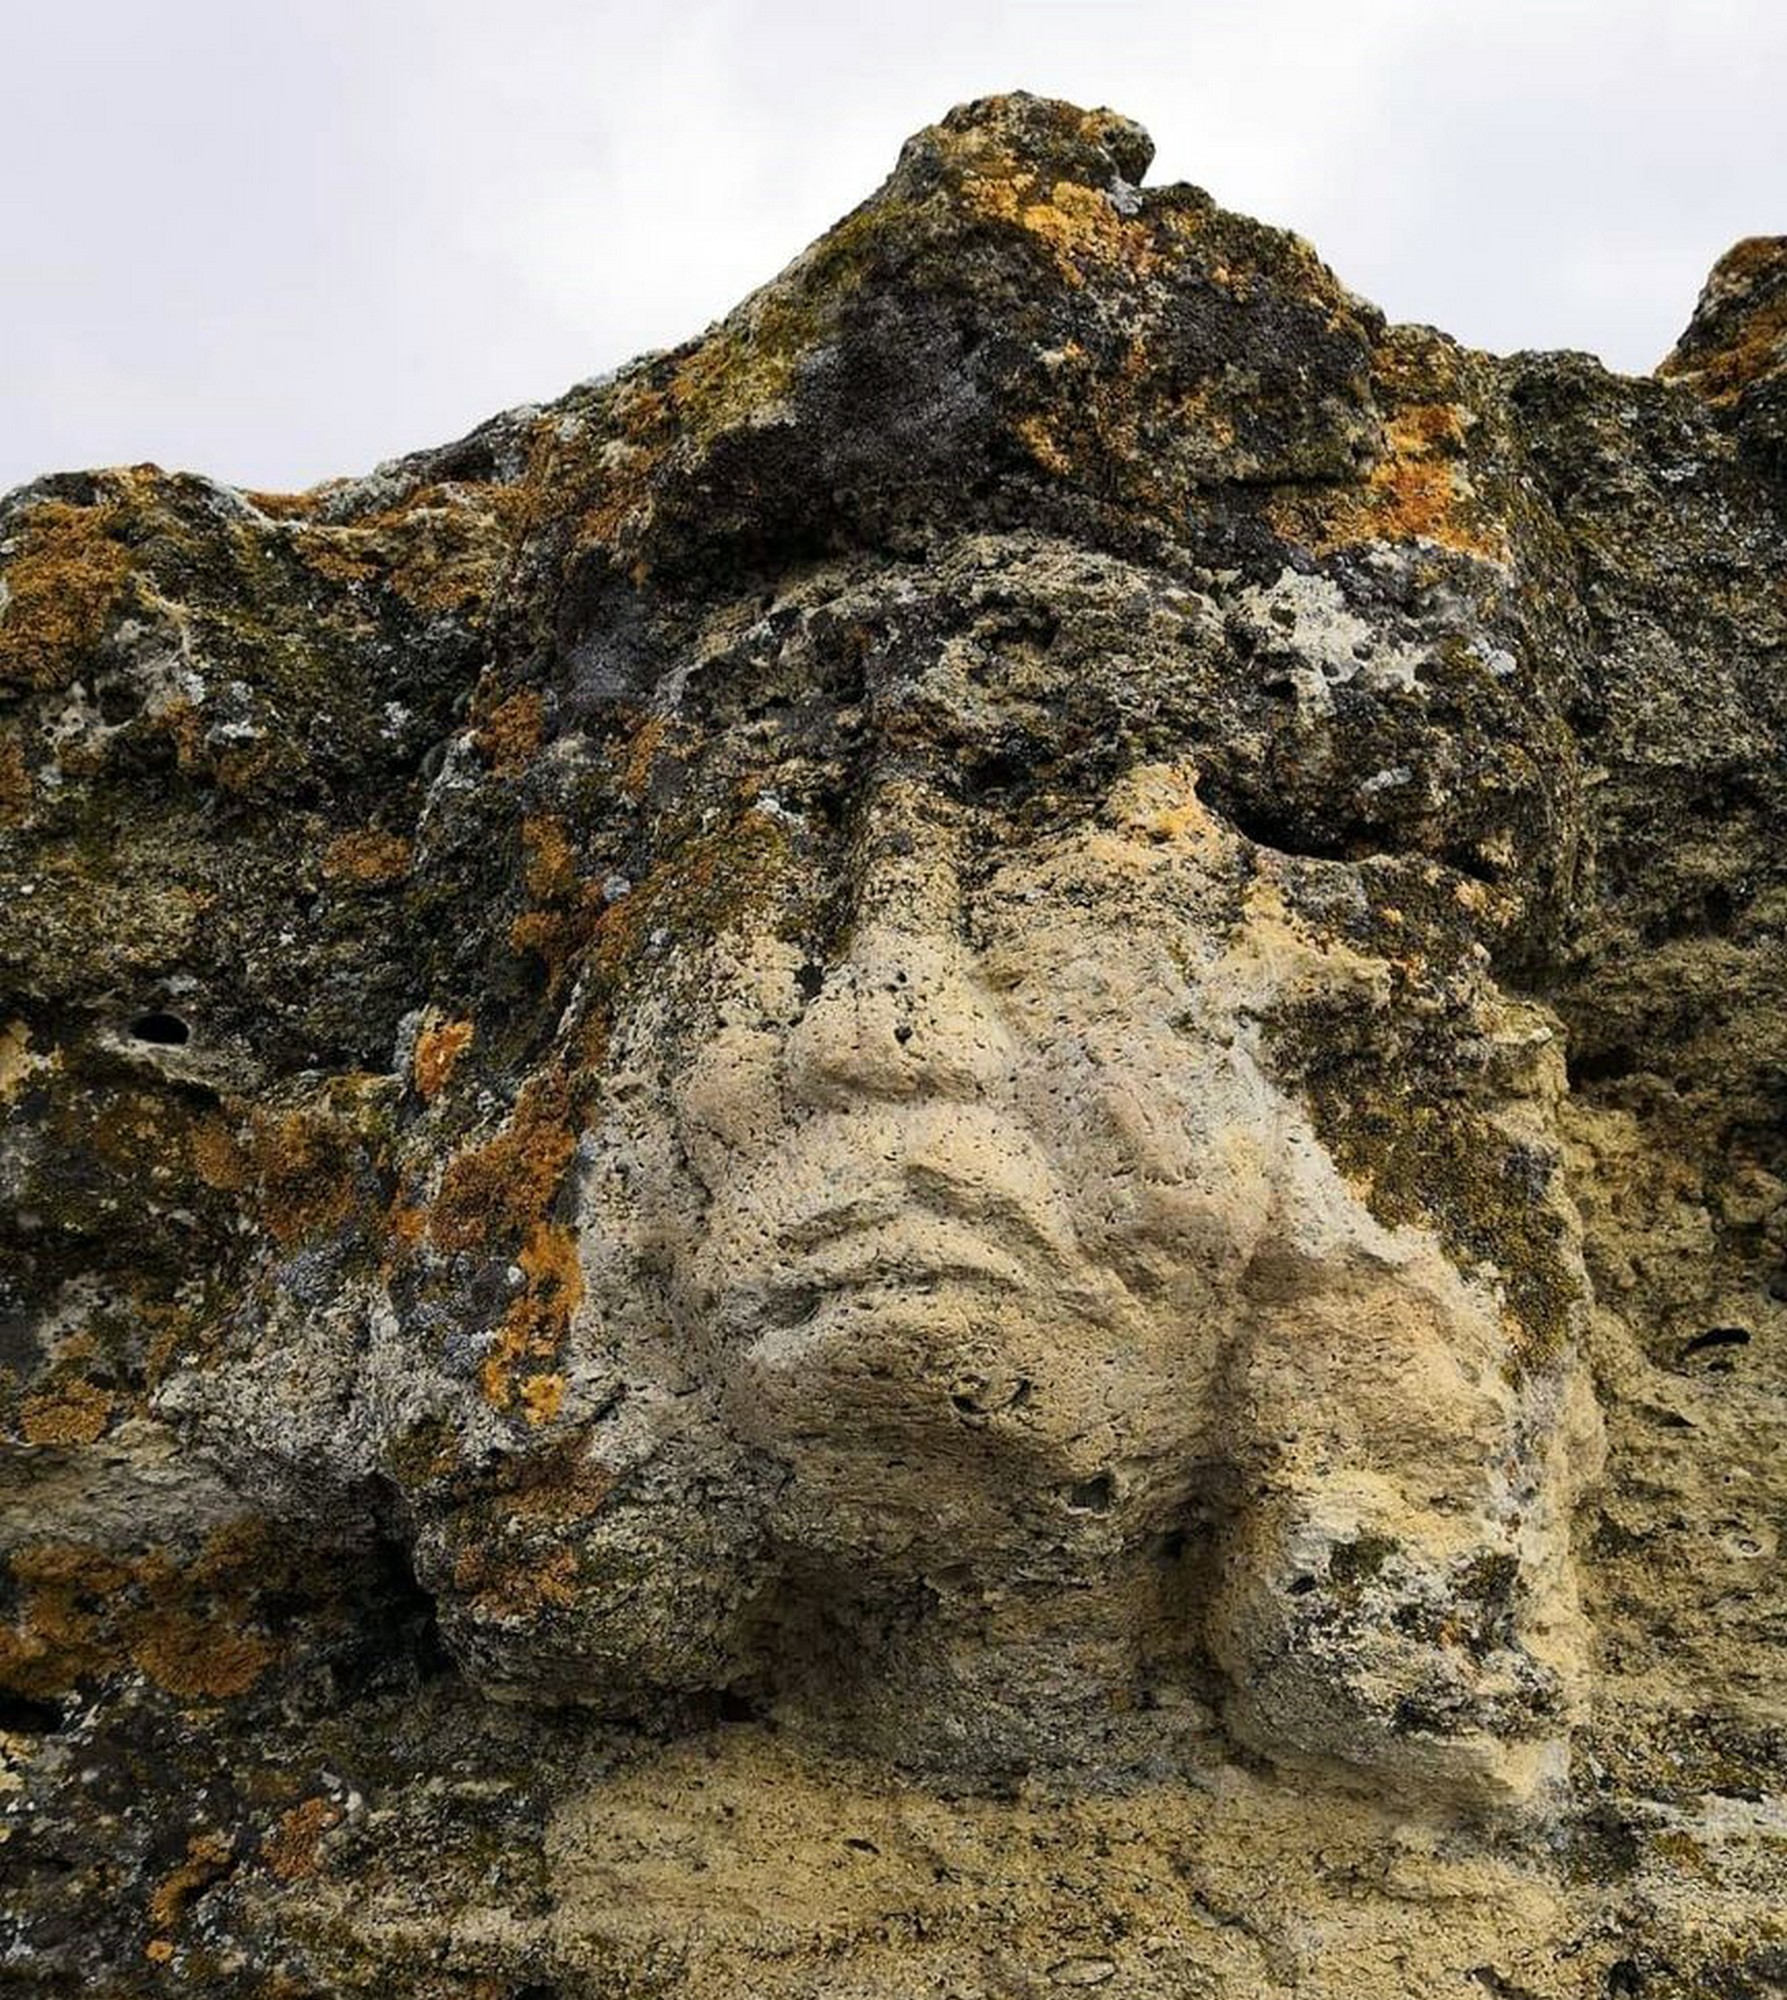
[
  {"x": 438, "y": 1049},
  {"x": 503, "y": 1187},
  {"x": 203, "y": 1663},
  {"x": 1740, "y": 332},
  {"x": 71, "y": 1413},
  {"x": 1419, "y": 490},
  {"x": 499, "y": 1585},
  {"x": 1042, "y": 447},
  {"x": 304, "y": 1166},
  {"x": 1758, "y": 349},
  {"x": 714, "y": 881},
  {"x": 550, "y": 873},
  {"x": 533, "y": 1329},
  {"x": 15, "y": 780},
  {"x": 291, "y": 1850},
  {"x": 509, "y": 734},
  {"x": 286, "y": 506},
  {"x": 62, "y": 586},
  {"x": 622, "y": 489},
  {"x": 1078, "y": 225},
  {"x": 208, "y": 1857},
  {"x": 333, "y": 553},
  {"x": 369, "y": 857},
  {"x": 440, "y": 548},
  {"x": 218, "y": 1156},
  {"x": 641, "y": 753},
  {"x": 188, "y": 1622},
  {"x": 449, "y": 543}
]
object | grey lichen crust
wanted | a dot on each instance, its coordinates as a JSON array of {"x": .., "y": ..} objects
[{"x": 938, "y": 1152}]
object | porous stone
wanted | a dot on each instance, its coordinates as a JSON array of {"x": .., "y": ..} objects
[{"x": 939, "y": 1151}]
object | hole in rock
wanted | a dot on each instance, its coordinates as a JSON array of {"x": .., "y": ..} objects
[
  {"x": 1777, "y": 1286},
  {"x": 1600, "y": 1065},
  {"x": 903, "y": 1033},
  {"x": 1301, "y": 1586},
  {"x": 810, "y": 979},
  {"x": 1718, "y": 1336},
  {"x": 167, "y": 1030},
  {"x": 1002, "y": 771},
  {"x": 1092, "y": 1496},
  {"x": 21, "y": 1716}
]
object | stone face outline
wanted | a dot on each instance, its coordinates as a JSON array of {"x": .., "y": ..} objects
[{"x": 1063, "y": 594}]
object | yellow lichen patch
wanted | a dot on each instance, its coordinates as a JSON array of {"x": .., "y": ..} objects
[
  {"x": 1160, "y": 802},
  {"x": 742, "y": 372},
  {"x": 647, "y": 428},
  {"x": 542, "y": 1397},
  {"x": 509, "y": 734},
  {"x": 1078, "y": 225},
  {"x": 1758, "y": 349},
  {"x": 291, "y": 1849},
  {"x": 61, "y": 587},
  {"x": 17, "y": 1063},
  {"x": 1419, "y": 491},
  {"x": 450, "y": 544},
  {"x": 438, "y": 1049},
  {"x": 440, "y": 548},
  {"x": 369, "y": 857},
  {"x": 1042, "y": 447},
  {"x": 533, "y": 1329},
  {"x": 70, "y": 1413},
  {"x": 208, "y": 1857},
  {"x": 286, "y": 506},
  {"x": 338, "y": 554},
  {"x": 738, "y": 372}
]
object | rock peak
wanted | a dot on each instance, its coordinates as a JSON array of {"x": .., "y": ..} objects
[{"x": 1047, "y": 134}]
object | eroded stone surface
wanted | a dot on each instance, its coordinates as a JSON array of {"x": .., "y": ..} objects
[{"x": 936, "y": 1152}]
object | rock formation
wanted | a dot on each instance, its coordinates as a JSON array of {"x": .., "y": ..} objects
[{"x": 939, "y": 1151}]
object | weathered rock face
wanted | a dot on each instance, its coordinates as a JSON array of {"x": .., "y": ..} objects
[{"x": 940, "y": 1151}]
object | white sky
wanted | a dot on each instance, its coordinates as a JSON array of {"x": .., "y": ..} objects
[{"x": 280, "y": 239}]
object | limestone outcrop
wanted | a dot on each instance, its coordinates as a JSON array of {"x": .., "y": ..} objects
[{"x": 939, "y": 1151}]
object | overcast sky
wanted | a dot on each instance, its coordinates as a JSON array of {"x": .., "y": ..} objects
[{"x": 281, "y": 239}]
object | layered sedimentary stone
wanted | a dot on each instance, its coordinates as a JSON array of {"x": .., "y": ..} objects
[{"x": 938, "y": 1150}]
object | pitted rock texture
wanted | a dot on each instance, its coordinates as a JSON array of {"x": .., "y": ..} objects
[{"x": 939, "y": 1151}]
